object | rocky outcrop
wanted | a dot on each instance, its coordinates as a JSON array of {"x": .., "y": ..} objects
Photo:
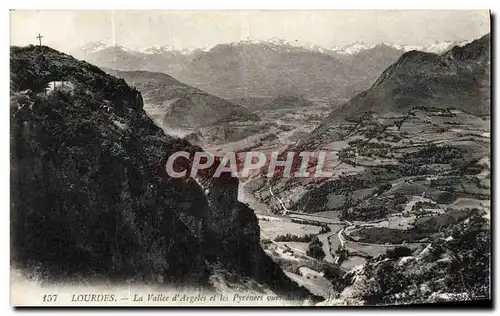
[
  {"x": 454, "y": 267},
  {"x": 91, "y": 199}
]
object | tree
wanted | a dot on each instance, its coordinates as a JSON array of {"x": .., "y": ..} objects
[
  {"x": 315, "y": 249},
  {"x": 384, "y": 187},
  {"x": 398, "y": 252}
]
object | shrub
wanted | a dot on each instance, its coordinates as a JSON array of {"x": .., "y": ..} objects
[
  {"x": 398, "y": 252},
  {"x": 315, "y": 249},
  {"x": 384, "y": 187},
  {"x": 294, "y": 238},
  {"x": 324, "y": 229}
]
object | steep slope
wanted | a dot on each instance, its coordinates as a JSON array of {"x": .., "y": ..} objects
[
  {"x": 85, "y": 196},
  {"x": 372, "y": 61},
  {"x": 90, "y": 198},
  {"x": 457, "y": 79},
  {"x": 454, "y": 267},
  {"x": 181, "y": 109}
]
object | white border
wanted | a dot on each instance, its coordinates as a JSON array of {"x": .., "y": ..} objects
[
  {"x": 257, "y": 5},
  {"x": 5, "y": 308}
]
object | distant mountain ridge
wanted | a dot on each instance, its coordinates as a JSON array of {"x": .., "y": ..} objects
[
  {"x": 346, "y": 49},
  {"x": 437, "y": 47},
  {"x": 252, "y": 68}
]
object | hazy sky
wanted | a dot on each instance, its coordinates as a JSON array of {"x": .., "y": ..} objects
[{"x": 193, "y": 29}]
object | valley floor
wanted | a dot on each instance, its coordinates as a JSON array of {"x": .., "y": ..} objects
[{"x": 399, "y": 208}]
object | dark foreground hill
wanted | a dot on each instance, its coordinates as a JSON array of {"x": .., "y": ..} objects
[{"x": 90, "y": 199}]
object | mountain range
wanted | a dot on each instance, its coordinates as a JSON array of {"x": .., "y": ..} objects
[
  {"x": 259, "y": 68},
  {"x": 346, "y": 49}
]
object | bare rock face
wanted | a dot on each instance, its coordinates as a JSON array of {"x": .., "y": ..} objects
[
  {"x": 229, "y": 221},
  {"x": 232, "y": 235}
]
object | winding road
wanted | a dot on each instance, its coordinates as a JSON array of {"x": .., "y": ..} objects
[
  {"x": 325, "y": 239},
  {"x": 285, "y": 210},
  {"x": 328, "y": 246},
  {"x": 330, "y": 240}
]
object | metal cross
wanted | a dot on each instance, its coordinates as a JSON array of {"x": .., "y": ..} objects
[{"x": 39, "y": 39}]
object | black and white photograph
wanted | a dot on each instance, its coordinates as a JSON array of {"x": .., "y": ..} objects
[{"x": 240, "y": 158}]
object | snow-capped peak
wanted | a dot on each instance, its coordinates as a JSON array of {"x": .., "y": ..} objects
[
  {"x": 308, "y": 46},
  {"x": 351, "y": 49},
  {"x": 157, "y": 49},
  {"x": 278, "y": 43},
  {"x": 126, "y": 49},
  {"x": 93, "y": 47},
  {"x": 272, "y": 42},
  {"x": 436, "y": 48},
  {"x": 161, "y": 49},
  {"x": 405, "y": 47},
  {"x": 441, "y": 47}
]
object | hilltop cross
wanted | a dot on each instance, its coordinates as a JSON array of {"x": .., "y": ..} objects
[{"x": 39, "y": 39}]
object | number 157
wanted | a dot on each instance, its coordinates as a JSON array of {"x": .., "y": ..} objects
[{"x": 50, "y": 297}]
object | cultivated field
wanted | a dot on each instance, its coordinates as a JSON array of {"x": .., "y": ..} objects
[{"x": 272, "y": 229}]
